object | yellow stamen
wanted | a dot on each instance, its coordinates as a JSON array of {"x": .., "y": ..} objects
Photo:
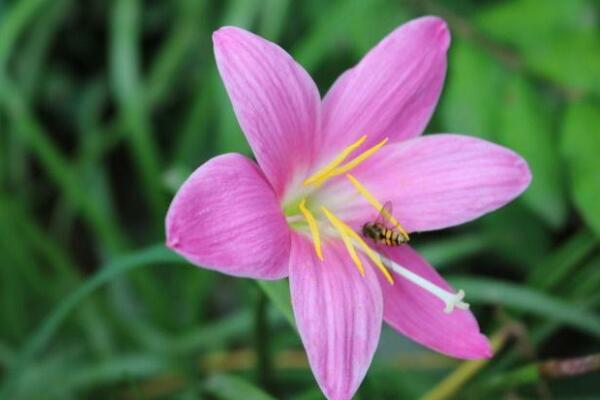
[
  {"x": 312, "y": 226},
  {"x": 317, "y": 176},
  {"x": 371, "y": 254},
  {"x": 356, "y": 161},
  {"x": 378, "y": 206},
  {"x": 351, "y": 164},
  {"x": 345, "y": 230},
  {"x": 340, "y": 227}
]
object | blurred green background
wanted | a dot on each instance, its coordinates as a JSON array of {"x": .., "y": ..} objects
[{"x": 106, "y": 106}]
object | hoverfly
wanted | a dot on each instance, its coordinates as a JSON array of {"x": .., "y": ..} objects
[{"x": 380, "y": 232}]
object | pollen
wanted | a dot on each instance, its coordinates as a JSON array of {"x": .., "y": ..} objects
[
  {"x": 313, "y": 227},
  {"x": 334, "y": 169},
  {"x": 377, "y": 205}
]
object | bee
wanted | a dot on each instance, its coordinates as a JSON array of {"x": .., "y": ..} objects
[{"x": 380, "y": 233}]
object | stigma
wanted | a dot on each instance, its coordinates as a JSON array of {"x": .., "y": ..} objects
[{"x": 451, "y": 300}]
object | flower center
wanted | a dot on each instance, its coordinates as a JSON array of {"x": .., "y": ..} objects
[{"x": 353, "y": 240}]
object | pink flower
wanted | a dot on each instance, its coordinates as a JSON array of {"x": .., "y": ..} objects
[{"x": 324, "y": 169}]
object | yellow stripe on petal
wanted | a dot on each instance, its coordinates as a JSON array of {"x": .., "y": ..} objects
[
  {"x": 340, "y": 227},
  {"x": 377, "y": 205},
  {"x": 312, "y": 226}
]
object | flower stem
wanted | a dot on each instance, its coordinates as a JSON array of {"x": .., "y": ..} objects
[
  {"x": 461, "y": 375},
  {"x": 261, "y": 331}
]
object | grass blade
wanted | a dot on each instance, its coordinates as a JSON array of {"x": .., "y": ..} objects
[
  {"x": 484, "y": 290},
  {"x": 42, "y": 336}
]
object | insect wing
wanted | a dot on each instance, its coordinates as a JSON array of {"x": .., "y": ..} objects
[{"x": 384, "y": 214}]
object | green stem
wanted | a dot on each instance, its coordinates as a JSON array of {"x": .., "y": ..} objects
[
  {"x": 261, "y": 331},
  {"x": 461, "y": 375},
  {"x": 540, "y": 371}
]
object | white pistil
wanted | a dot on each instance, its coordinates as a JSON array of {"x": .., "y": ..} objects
[{"x": 450, "y": 300}]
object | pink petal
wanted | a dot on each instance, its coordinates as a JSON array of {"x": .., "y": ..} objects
[
  {"x": 437, "y": 181},
  {"x": 276, "y": 102},
  {"x": 226, "y": 217},
  {"x": 338, "y": 314},
  {"x": 420, "y": 315},
  {"x": 393, "y": 90}
]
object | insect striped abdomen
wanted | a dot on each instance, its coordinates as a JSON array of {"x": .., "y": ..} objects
[
  {"x": 382, "y": 235},
  {"x": 397, "y": 239}
]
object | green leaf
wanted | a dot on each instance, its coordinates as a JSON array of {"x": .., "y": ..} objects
[
  {"x": 231, "y": 138},
  {"x": 240, "y": 13},
  {"x": 561, "y": 59},
  {"x": 559, "y": 42},
  {"x": 526, "y": 128},
  {"x": 204, "y": 336},
  {"x": 586, "y": 281},
  {"x": 57, "y": 166},
  {"x": 279, "y": 293},
  {"x": 506, "y": 242},
  {"x": 527, "y": 23},
  {"x": 333, "y": 31},
  {"x": 581, "y": 149},
  {"x": 440, "y": 253},
  {"x": 48, "y": 328},
  {"x": 229, "y": 387},
  {"x": 35, "y": 50},
  {"x": 13, "y": 24},
  {"x": 559, "y": 264},
  {"x": 363, "y": 37},
  {"x": 274, "y": 14},
  {"x": 470, "y": 104},
  {"x": 490, "y": 291},
  {"x": 129, "y": 92},
  {"x": 174, "y": 52},
  {"x": 76, "y": 376}
]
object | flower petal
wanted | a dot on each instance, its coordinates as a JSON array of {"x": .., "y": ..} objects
[
  {"x": 393, "y": 90},
  {"x": 226, "y": 217},
  {"x": 276, "y": 102},
  {"x": 338, "y": 314},
  {"x": 437, "y": 181},
  {"x": 418, "y": 314}
]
